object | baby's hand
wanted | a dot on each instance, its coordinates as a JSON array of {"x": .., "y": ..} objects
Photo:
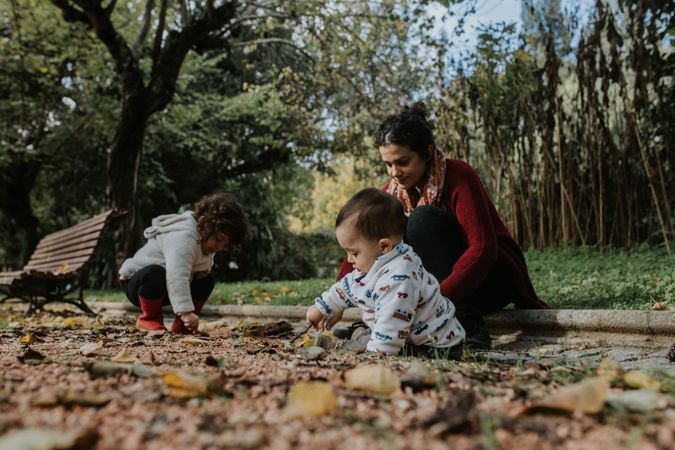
[
  {"x": 190, "y": 319},
  {"x": 314, "y": 316}
]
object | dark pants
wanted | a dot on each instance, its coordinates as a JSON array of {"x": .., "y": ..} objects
[
  {"x": 436, "y": 236},
  {"x": 150, "y": 283}
]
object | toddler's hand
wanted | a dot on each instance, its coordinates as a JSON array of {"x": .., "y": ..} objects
[
  {"x": 202, "y": 274},
  {"x": 190, "y": 319},
  {"x": 314, "y": 317}
]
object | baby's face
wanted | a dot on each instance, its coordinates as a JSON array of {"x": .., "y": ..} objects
[{"x": 361, "y": 252}]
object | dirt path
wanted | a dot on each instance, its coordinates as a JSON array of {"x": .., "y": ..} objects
[{"x": 238, "y": 393}]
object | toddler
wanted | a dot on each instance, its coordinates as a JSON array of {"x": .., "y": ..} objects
[
  {"x": 174, "y": 266},
  {"x": 400, "y": 301}
]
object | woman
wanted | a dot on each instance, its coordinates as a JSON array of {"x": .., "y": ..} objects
[{"x": 452, "y": 225}]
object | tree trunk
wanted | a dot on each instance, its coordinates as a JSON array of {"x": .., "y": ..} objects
[
  {"x": 16, "y": 184},
  {"x": 123, "y": 167}
]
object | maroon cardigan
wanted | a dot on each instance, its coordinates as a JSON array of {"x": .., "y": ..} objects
[{"x": 486, "y": 237}]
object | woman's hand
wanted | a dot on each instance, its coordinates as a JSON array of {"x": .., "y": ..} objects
[{"x": 190, "y": 319}]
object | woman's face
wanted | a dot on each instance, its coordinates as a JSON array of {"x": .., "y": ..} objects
[{"x": 404, "y": 165}]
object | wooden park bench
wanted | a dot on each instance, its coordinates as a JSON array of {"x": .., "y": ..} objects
[{"x": 58, "y": 266}]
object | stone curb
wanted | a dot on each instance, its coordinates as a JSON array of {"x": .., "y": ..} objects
[{"x": 540, "y": 321}]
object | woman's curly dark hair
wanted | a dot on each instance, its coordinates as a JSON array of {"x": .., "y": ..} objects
[
  {"x": 221, "y": 212},
  {"x": 409, "y": 128}
]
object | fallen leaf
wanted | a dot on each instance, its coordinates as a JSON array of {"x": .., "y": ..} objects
[
  {"x": 311, "y": 399},
  {"x": 372, "y": 378},
  {"x": 190, "y": 340},
  {"x": 639, "y": 380},
  {"x": 587, "y": 396},
  {"x": 660, "y": 306},
  {"x": 30, "y": 356},
  {"x": 72, "y": 398},
  {"x": 642, "y": 400},
  {"x": 210, "y": 326},
  {"x": 29, "y": 339},
  {"x": 270, "y": 329},
  {"x": 327, "y": 341},
  {"x": 90, "y": 348},
  {"x": 50, "y": 439},
  {"x": 610, "y": 370},
  {"x": 109, "y": 368},
  {"x": 123, "y": 357},
  {"x": 418, "y": 377},
  {"x": 312, "y": 353},
  {"x": 183, "y": 384},
  {"x": 458, "y": 411}
]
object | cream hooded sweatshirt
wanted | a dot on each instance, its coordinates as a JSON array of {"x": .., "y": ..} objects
[{"x": 173, "y": 243}]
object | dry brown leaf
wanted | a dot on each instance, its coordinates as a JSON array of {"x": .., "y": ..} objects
[
  {"x": 311, "y": 399},
  {"x": 587, "y": 396},
  {"x": 640, "y": 380},
  {"x": 373, "y": 378}
]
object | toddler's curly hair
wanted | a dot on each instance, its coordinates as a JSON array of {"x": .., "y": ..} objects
[{"x": 222, "y": 212}]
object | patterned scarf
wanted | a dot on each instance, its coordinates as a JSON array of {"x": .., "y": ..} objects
[{"x": 430, "y": 193}]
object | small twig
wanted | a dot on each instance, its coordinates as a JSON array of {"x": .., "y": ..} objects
[{"x": 301, "y": 333}]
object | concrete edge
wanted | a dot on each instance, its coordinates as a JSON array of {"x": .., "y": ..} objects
[{"x": 539, "y": 321}]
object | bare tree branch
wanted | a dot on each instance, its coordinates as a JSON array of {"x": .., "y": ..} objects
[
  {"x": 263, "y": 41},
  {"x": 157, "y": 45},
  {"x": 185, "y": 13},
  {"x": 145, "y": 27}
]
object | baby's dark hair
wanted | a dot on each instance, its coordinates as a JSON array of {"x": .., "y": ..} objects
[
  {"x": 222, "y": 213},
  {"x": 379, "y": 214},
  {"x": 409, "y": 128}
]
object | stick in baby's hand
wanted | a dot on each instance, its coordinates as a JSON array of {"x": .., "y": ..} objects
[{"x": 301, "y": 333}]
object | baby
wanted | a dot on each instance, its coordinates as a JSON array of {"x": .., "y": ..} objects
[{"x": 400, "y": 301}]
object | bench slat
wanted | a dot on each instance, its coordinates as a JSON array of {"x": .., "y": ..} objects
[
  {"x": 59, "y": 267},
  {"x": 84, "y": 241},
  {"x": 7, "y": 278},
  {"x": 51, "y": 241},
  {"x": 101, "y": 218},
  {"x": 65, "y": 255}
]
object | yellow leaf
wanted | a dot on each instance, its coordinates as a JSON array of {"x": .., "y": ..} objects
[
  {"x": 43, "y": 69},
  {"x": 189, "y": 340},
  {"x": 184, "y": 385},
  {"x": 610, "y": 370},
  {"x": 311, "y": 399},
  {"x": 373, "y": 378},
  {"x": 210, "y": 326},
  {"x": 283, "y": 289},
  {"x": 29, "y": 339},
  {"x": 63, "y": 268},
  {"x": 587, "y": 396},
  {"x": 639, "y": 380},
  {"x": 123, "y": 357}
]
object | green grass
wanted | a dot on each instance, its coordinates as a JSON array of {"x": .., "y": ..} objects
[
  {"x": 574, "y": 278},
  {"x": 582, "y": 278}
]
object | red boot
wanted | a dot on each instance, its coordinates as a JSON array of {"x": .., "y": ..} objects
[
  {"x": 151, "y": 319},
  {"x": 179, "y": 327}
]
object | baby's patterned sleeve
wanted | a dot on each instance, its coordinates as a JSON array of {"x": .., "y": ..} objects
[
  {"x": 396, "y": 304},
  {"x": 336, "y": 298}
]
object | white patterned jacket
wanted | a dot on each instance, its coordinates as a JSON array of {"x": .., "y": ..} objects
[{"x": 400, "y": 302}]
